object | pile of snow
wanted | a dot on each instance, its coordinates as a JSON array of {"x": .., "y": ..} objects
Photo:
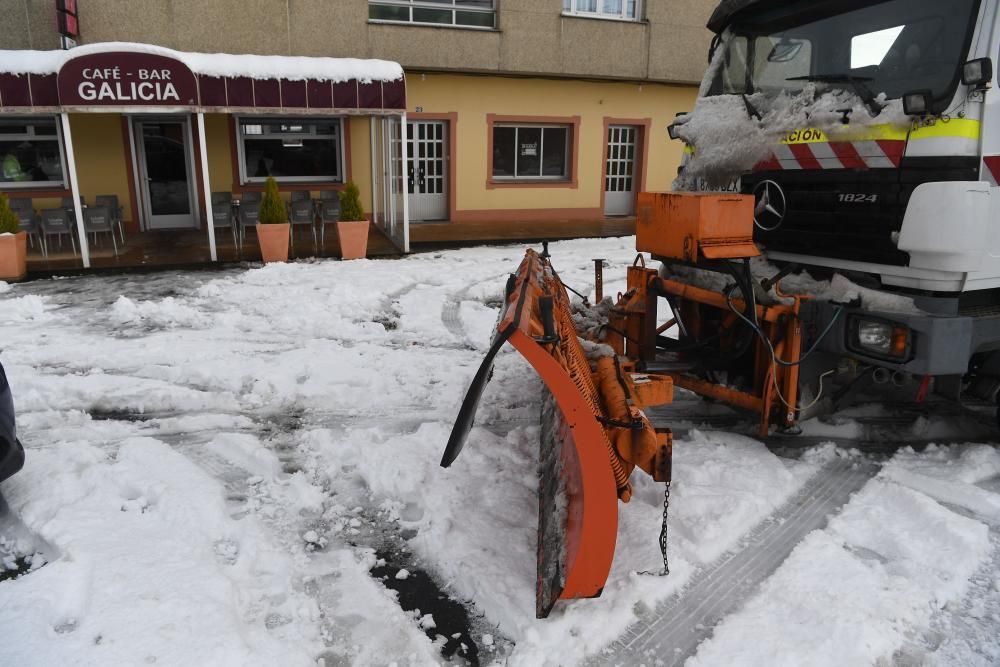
[
  {"x": 839, "y": 289},
  {"x": 292, "y": 68}
]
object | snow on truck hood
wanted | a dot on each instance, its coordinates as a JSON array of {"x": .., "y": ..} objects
[
  {"x": 292, "y": 68},
  {"x": 725, "y": 140}
]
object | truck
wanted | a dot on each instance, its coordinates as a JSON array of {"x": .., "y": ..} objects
[{"x": 833, "y": 234}]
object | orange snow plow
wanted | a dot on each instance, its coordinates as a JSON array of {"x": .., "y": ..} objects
[
  {"x": 593, "y": 433},
  {"x": 594, "y": 429}
]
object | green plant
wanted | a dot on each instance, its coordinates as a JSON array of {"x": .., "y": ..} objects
[
  {"x": 350, "y": 203},
  {"x": 9, "y": 223},
  {"x": 272, "y": 208}
]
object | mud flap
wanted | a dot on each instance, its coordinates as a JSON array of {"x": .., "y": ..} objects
[{"x": 578, "y": 501}]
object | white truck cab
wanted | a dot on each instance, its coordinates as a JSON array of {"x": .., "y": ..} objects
[{"x": 903, "y": 183}]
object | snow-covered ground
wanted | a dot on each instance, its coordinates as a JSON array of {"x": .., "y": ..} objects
[{"x": 219, "y": 464}]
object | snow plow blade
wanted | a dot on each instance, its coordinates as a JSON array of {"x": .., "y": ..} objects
[{"x": 581, "y": 475}]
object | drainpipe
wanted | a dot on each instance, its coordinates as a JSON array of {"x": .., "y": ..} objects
[{"x": 74, "y": 185}]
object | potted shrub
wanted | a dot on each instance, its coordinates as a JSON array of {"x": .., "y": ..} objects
[
  {"x": 13, "y": 244},
  {"x": 352, "y": 228},
  {"x": 272, "y": 224}
]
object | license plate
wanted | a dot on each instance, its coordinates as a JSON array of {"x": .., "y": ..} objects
[{"x": 734, "y": 186}]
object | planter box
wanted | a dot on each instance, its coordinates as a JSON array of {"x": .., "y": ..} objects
[
  {"x": 273, "y": 241},
  {"x": 13, "y": 256},
  {"x": 353, "y": 237}
]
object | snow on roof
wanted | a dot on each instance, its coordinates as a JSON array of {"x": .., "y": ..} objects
[{"x": 292, "y": 68}]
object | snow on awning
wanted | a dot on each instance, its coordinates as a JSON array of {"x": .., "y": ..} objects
[{"x": 117, "y": 76}]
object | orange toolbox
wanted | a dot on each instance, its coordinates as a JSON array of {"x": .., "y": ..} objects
[{"x": 691, "y": 225}]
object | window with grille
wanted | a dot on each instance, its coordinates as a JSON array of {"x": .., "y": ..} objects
[
  {"x": 31, "y": 153},
  {"x": 625, "y": 10},
  {"x": 461, "y": 13},
  {"x": 531, "y": 152},
  {"x": 291, "y": 149}
]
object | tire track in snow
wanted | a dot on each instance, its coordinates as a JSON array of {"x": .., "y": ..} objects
[{"x": 672, "y": 632}]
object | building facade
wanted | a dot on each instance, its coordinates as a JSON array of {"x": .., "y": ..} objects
[{"x": 516, "y": 110}]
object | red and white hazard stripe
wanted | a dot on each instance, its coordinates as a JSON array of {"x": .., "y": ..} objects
[{"x": 885, "y": 154}]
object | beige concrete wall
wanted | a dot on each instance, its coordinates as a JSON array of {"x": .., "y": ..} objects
[
  {"x": 28, "y": 24},
  {"x": 533, "y": 37}
]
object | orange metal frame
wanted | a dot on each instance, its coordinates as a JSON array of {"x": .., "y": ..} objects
[{"x": 773, "y": 381}]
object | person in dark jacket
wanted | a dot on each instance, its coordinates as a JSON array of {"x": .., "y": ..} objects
[{"x": 11, "y": 451}]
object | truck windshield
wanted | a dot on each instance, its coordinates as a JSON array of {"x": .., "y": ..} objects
[{"x": 892, "y": 47}]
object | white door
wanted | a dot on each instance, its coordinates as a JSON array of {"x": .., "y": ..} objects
[
  {"x": 427, "y": 170},
  {"x": 163, "y": 148},
  {"x": 619, "y": 172}
]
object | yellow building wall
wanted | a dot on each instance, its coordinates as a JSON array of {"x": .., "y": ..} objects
[
  {"x": 360, "y": 158},
  {"x": 101, "y": 163},
  {"x": 473, "y": 97},
  {"x": 219, "y": 141}
]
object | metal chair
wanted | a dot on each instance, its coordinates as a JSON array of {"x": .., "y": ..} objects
[
  {"x": 329, "y": 213},
  {"x": 302, "y": 213},
  {"x": 301, "y": 195},
  {"x": 249, "y": 215},
  {"x": 56, "y": 222},
  {"x": 28, "y": 222},
  {"x": 223, "y": 218},
  {"x": 116, "y": 211},
  {"x": 98, "y": 220},
  {"x": 67, "y": 205},
  {"x": 250, "y": 198},
  {"x": 222, "y": 198},
  {"x": 329, "y": 194}
]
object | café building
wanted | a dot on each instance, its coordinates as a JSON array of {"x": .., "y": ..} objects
[{"x": 164, "y": 138}]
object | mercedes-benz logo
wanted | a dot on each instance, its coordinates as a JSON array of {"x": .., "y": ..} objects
[{"x": 771, "y": 207}]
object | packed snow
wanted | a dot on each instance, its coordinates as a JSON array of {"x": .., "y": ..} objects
[
  {"x": 219, "y": 462},
  {"x": 291, "y": 68}
]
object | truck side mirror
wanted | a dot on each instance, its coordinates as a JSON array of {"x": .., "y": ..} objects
[{"x": 978, "y": 73}]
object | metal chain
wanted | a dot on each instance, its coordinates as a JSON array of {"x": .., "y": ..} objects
[
  {"x": 663, "y": 530},
  {"x": 663, "y": 537}
]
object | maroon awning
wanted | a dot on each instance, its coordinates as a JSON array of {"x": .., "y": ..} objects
[{"x": 127, "y": 80}]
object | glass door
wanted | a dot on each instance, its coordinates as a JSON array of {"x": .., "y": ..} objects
[
  {"x": 164, "y": 152},
  {"x": 427, "y": 170},
  {"x": 619, "y": 173}
]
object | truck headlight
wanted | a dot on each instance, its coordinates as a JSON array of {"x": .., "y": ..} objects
[{"x": 880, "y": 338}]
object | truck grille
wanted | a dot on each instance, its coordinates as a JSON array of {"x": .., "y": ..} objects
[{"x": 851, "y": 214}]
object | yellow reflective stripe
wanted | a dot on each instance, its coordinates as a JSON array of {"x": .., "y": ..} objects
[
  {"x": 955, "y": 128},
  {"x": 960, "y": 128},
  {"x": 869, "y": 133}
]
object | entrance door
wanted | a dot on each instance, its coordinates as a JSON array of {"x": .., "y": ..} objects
[
  {"x": 427, "y": 170},
  {"x": 619, "y": 173},
  {"x": 164, "y": 151}
]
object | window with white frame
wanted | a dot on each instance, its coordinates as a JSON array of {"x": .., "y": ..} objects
[
  {"x": 291, "y": 149},
  {"x": 30, "y": 153},
  {"x": 531, "y": 152},
  {"x": 625, "y": 10},
  {"x": 462, "y": 13}
]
